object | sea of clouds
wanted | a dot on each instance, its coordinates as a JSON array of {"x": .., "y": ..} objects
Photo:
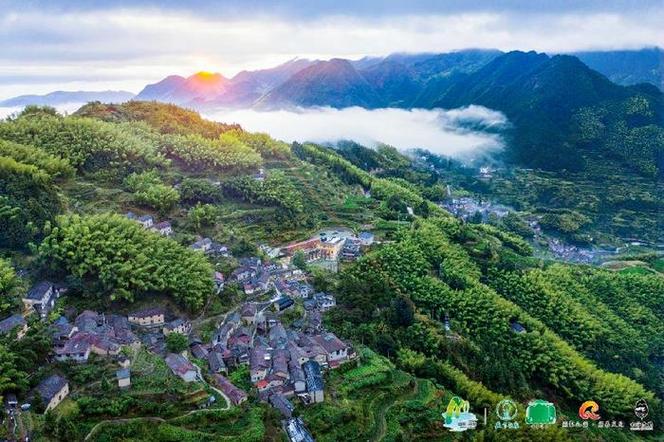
[{"x": 455, "y": 132}]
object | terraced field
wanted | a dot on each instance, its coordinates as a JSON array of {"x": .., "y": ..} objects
[{"x": 375, "y": 402}]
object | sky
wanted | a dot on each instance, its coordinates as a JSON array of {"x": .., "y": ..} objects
[{"x": 98, "y": 45}]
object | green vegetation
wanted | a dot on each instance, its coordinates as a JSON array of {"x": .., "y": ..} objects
[
  {"x": 537, "y": 359},
  {"x": 165, "y": 118},
  {"x": 200, "y": 154},
  {"x": 589, "y": 332},
  {"x": 176, "y": 342},
  {"x": 149, "y": 190},
  {"x": 8, "y": 282},
  {"x": 87, "y": 144},
  {"x": 275, "y": 190},
  {"x": 27, "y": 201},
  {"x": 116, "y": 257},
  {"x": 53, "y": 165}
]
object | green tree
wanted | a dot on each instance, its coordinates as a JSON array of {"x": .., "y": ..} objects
[
  {"x": 149, "y": 190},
  {"x": 176, "y": 342},
  {"x": 115, "y": 257},
  {"x": 299, "y": 260},
  {"x": 8, "y": 282}
]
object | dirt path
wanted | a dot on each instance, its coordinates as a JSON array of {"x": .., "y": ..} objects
[
  {"x": 121, "y": 421},
  {"x": 380, "y": 415},
  {"x": 150, "y": 419}
]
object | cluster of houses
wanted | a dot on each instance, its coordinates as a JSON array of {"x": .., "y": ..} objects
[
  {"x": 147, "y": 221},
  {"x": 330, "y": 247},
  {"x": 210, "y": 247},
  {"x": 282, "y": 362},
  {"x": 466, "y": 208},
  {"x": 91, "y": 332},
  {"x": 257, "y": 277},
  {"x": 39, "y": 300}
]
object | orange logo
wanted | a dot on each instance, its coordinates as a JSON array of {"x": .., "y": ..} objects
[{"x": 588, "y": 410}]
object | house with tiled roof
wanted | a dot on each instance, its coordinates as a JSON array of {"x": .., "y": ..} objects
[
  {"x": 280, "y": 363},
  {"x": 148, "y": 316},
  {"x": 52, "y": 390},
  {"x": 297, "y": 432},
  {"x": 335, "y": 349},
  {"x": 260, "y": 363},
  {"x": 177, "y": 326},
  {"x": 248, "y": 313},
  {"x": 41, "y": 298},
  {"x": 216, "y": 362},
  {"x": 202, "y": 245},
  {"x": 180, "y": 366},
  {"x": 163, "y": 228},
  {"x": 366, "y": 238},
  {"x": 146, "y": 221},
  {"x": 282, "y": 404},
  {"x": 199, "y": 351},
  {"x": 14, "y": 323},
  {"x": 123, "y": 376},
  {"x": 219, "y": 281},
  {"x": 314, "y": 381},
  {"x": 234, "y": 394},
  {"x": 283, "y": 303},
  {"x": 324, "y": 301},
  {"x": 76, "y": 349},
  {"x": 297, "y": 377}
]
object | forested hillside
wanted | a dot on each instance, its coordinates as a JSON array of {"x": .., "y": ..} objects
[
  {"x": 567, "y": 116},
  {"x": 436, "y": 307}
]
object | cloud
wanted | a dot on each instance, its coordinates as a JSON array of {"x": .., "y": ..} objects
[
  {"x": 439, "y": 131},
  {"x": 132, "y": 45}
]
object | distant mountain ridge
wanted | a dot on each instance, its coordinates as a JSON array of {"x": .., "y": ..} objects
[
  {"x": 63, "y": 97},
  {"x": 562, "y": 111},
  {"x": 199, "y": 87},
  {"x": 628, "y": 67}
]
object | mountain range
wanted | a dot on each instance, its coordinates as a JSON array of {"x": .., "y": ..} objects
[
  {"x": 562, "y": 109},
  {"x": 63, "y": 97},
  {"x": 397, "y": 80}
]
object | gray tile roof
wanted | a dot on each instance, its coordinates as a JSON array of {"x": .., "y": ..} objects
[
  {"x": 147, "y": 312},
  {"x": 10, "y": 323},
  {"x": 39, "y": 290},
  {"x": 314, "y": 377},
  {"x": 51, "y": 386}
]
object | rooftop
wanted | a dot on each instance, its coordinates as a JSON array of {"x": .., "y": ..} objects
[
  {"x": 39, "y": 290},
  {"x": 10, "y": 323},
  {"x": 179, "y": 364},
  {"x": 51, "y": 386},
  {"x": 314, "y": 378},
  {"x": 122, "y": 373},
  {"x": 147, "y": 312}
]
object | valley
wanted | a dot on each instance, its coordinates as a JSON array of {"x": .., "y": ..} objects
[{"x": 251, "y": 246}]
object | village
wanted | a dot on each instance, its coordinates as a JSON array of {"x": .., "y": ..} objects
[{"x": 286, "y": 359}]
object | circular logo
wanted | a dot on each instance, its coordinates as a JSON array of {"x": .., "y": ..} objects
[
  {"x": 588, "y": 410},
  {"x": 506, "y": 410},
  {"x": 641, "y": 409}
]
